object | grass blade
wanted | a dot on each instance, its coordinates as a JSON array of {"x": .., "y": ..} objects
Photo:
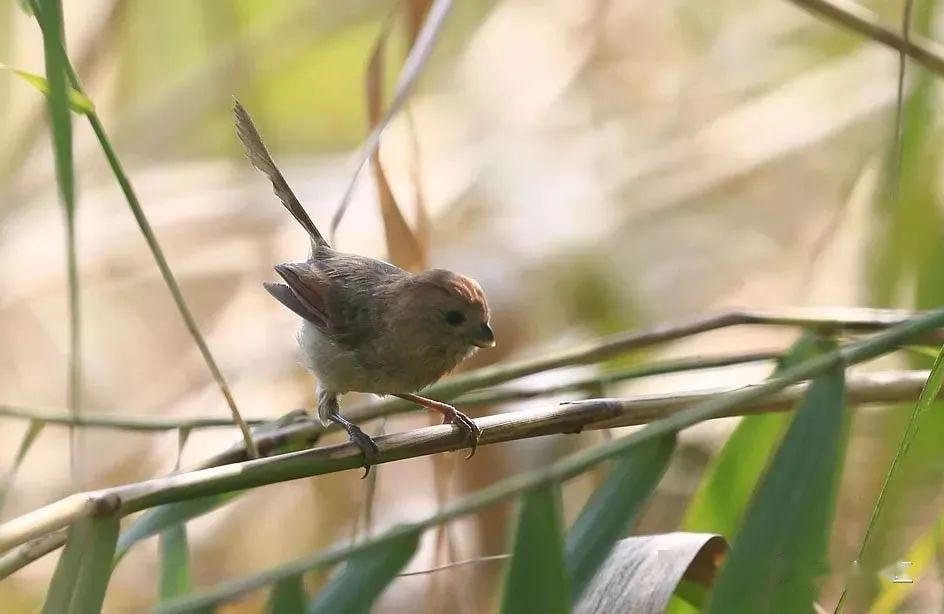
[
  {"x": 60, "y": 120},
  {"x": 403, "y": 246},
  {"x": 412, "y": 67},
  {"x": 781, "y": 546},
  {"x": 536, "y": 580},
  {"x": 726, "y": 489},
  {"x": 175, "y": 562},
  {"x": 926, "y": 399},
  {"x": 64, "y": 579},
  {"x": 613, "y": 508},
  {"x": 169, "y": 280},
  {"x": 78, "y": 102},
  {"x": 288, "y": 596},
  {"x": 81, "y": 577},
  {"x": 366, "y": 575},
  {"x": 32, "y": 432},
  {"x": 96, "y": 566},
  {"x": 164, "y": 517}
]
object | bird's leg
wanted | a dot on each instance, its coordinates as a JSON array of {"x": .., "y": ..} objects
[
  {"x": 362, "y": 440},
  {"x": 451, "y": 415}
]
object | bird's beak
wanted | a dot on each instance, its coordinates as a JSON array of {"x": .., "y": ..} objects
[{"x": 485, "y": 338}]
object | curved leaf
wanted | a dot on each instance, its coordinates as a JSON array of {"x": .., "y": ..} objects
[
  {"x": 81, "y": 577},
  {"x": 536, "y": 580},
  {"x": 175, "y": 562},
  {"x": 780, "y": 549},
  {"x": 158, "y": 519},
  {"x": 641, "y": 573},
  {"x": 288, "y": 596},
  {"x": 613, "y": 508},
  {"x": 366, "y": 575},
  {"x": 726, "y": 488}
]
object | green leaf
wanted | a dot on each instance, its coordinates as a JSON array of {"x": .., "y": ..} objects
[
  {"x": 163, "y": 517},
  {"x": 781, "y": 547},
  {"x": 288, "y": 596},
  {"x": 58, "y": 97},
  {"x": 613, "y": 508},
  {"x": 366, "y": 575},
  {"x": 726, "y": 488},
  {"x": 78, "y": 102},
  {"x": 35, "y": 427},
  {"x": 869, "y": 555},
  {"x": 175, "y": 562},
  {"x": 536, "y": 580},
  {"x": 81, "y": 577}
]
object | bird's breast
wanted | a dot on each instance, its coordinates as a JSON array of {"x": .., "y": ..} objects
[{"x": 376, "y": 367}]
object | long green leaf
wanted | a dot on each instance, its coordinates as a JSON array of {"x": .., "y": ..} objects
[
  {"x": 726, "y": 488},
  {"x": 780, "y": 549},
  {"x": 78, "y": 102},
  {"x": 161, "y": 518},
  {"x": 50, "y": 18},
  {"x": 175, "y": 562},
  {"x": 96, "y": 566},
  {"x": 536, "y": 580},
  {"x": 868, "y": 554},
  {"x": 64, "y": 579},
  {"x": 81, "y": 577},
  {"x": 365, "y": 576},
  {"x": 613, "y": 508},
  {"x": 288, "y": 596}
]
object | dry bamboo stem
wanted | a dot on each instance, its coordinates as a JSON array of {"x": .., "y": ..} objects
[{"x": 568, "y": 418}]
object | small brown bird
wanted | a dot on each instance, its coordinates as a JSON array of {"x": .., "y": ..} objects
[{"x": 368, "y": 326}]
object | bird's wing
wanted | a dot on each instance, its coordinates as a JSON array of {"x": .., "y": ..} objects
[
  {"x": 341, "y": 294},
  {"x": 358, "y": 293},
  {"x": 305, "y": 292},
  {"x": 260, "y": 158}
]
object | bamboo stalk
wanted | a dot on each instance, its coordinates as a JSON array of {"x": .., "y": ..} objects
[
  {"x": 857, "y": 18},
  {"x": 862, "y": 389},
  {"x": 828, "y": 320},
  {"x": 484, "y": 397},
  {"x": 866, "y": 388}
]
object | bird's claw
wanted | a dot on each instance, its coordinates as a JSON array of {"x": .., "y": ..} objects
[
  {"x": 469, "y": 429},
  {"x": 367, "y": 446}
]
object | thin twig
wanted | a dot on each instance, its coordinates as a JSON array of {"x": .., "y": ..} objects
[
  {"x": 123, "y": 421},
  {"x": 118, "y": 421},
  {"x": 412, "y": 67},
  {"x": 857, "y": 18},
  {"x": 480, "y": 559}
]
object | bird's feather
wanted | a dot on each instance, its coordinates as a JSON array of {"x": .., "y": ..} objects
[{"x": 260, "y": 158}]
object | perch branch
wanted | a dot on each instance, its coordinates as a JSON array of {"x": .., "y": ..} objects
[
  {"x": 484, "y": 397},
  {"x": 303, "y": 434},
  {"x": 773, "y": 396}
]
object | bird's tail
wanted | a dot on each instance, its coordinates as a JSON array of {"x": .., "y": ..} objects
[{"x": 260, "y": 158}]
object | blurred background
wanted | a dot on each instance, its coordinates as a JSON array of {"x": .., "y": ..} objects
[{"x": 597, "y": 166}]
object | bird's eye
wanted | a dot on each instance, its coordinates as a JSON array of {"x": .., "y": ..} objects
[{"x": 453, "y": 317}]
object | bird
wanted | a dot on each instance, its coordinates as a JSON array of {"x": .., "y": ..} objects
[{"x": 367, "y": 325}]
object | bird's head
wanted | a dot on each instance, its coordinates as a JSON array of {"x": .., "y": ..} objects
[{"x": 452, "y": 307}]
